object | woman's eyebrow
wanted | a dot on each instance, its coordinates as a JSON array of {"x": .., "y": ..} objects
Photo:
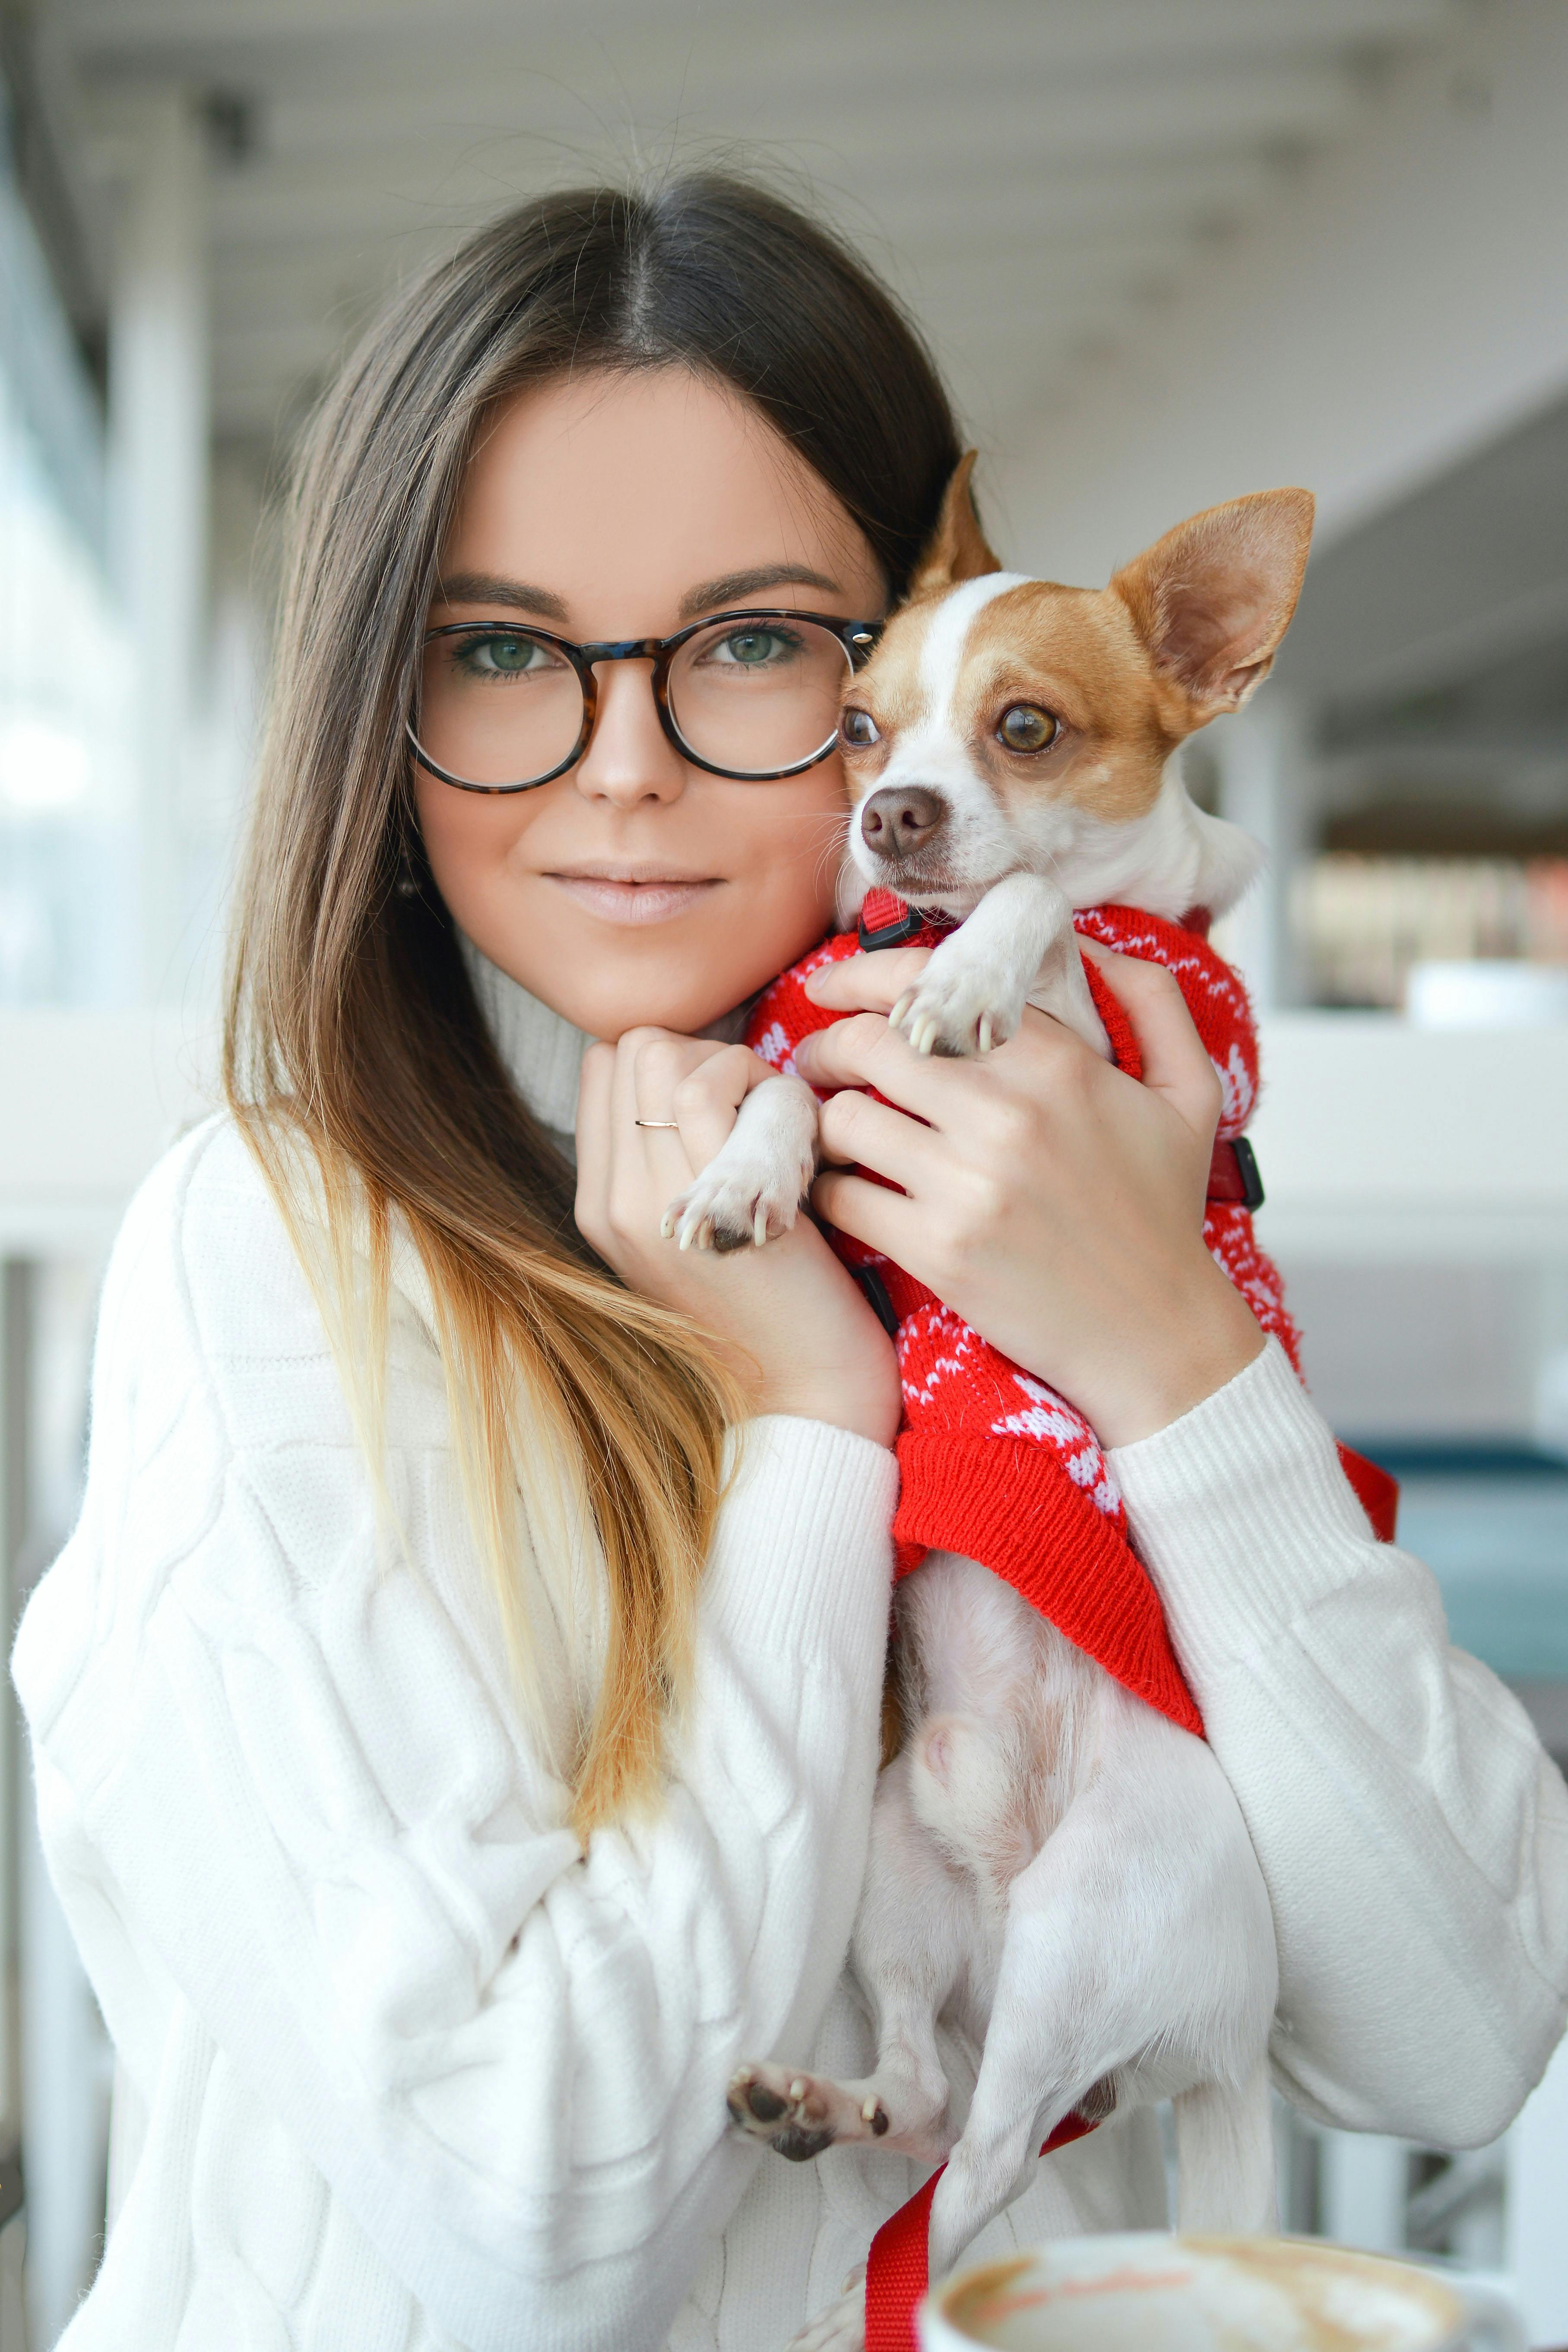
[
  {"x": 733, "y": 584},
  {"x": 491, "y": 588}
]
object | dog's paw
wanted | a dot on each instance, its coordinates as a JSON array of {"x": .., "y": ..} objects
[
  {"x": 955, "y": 1009},
  {"x": 735, "y": 1205},
  {"x": 842, "y": 2326},
  {"x": 799, "y": 2115}
]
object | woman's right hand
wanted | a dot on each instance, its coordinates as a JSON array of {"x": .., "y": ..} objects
[{"x": 793, "y": 1323}]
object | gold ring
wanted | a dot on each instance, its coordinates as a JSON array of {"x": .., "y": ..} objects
[{"x": 656, "y": 1122}]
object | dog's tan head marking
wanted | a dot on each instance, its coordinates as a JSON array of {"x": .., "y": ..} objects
[{"x": 1021, "y": 711}]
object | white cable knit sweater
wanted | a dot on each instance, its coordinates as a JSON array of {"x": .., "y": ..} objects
[{"x": 419, "y": 2072}]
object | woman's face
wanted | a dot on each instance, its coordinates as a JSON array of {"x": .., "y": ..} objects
[{"x": 635, "y": 888}]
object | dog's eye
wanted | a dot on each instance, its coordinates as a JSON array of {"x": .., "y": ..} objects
[
  {"x": 1025, "y": 729},
  {"x": 858, "y": 728}
]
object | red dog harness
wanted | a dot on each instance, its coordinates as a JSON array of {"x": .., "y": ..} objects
[{"x": 994, "y": 1463}]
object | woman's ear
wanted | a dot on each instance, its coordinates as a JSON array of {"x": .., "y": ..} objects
[
  {"x": 958, "y": 549},
  {"x": 1214, "y": 597}
]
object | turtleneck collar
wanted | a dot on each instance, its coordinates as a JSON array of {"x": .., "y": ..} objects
[{"x": 542, "y": 1050}]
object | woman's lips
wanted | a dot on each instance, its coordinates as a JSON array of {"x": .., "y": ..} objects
[{"x": 656, "y": 900}]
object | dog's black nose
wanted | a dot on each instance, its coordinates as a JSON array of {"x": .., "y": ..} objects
[{"x": 899, "y": 820}]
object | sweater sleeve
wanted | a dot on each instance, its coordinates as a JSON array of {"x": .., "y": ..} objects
[
  {"x": 273, "y": 1739},
  {"x": 1412, "y": 1831}
]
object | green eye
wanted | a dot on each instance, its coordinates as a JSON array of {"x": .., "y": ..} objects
[
  {"x": 509, "y": 653},
  {"x": 752, "y": 647},
  {"x": 1025, "y": 729},
  {"x": 501, "y": 654},
  {"x": 858, "y": 730}
]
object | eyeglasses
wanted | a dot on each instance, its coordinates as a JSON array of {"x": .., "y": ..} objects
[{"x": 753, "y": 696}]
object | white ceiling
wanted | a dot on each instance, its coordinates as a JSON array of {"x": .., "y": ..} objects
[{"x": 1035, "y": 176}]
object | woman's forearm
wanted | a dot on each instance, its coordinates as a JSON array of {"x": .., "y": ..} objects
[{"x": 1413, "y": 1834}]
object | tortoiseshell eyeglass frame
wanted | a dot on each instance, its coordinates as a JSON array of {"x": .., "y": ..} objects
[{"x": 858, "y": 639}]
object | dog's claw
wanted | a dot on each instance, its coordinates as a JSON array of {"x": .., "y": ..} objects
[
  {"x": 724, "y": 1210},
  {"x": 896, "y": 1016},
  {"x": 986, "y": 1032}
]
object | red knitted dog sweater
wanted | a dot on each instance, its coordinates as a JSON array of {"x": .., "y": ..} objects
[{"x": 994, "y": 1463}]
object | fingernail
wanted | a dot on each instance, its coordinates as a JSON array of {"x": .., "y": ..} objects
[
  {"x": 808, "y": 985},
  {"x": 803, "y": 1054}
]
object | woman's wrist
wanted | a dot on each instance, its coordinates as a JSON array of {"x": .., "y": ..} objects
[
  {"x": 1203, "y": 1334},
  {"x": 866, "y": 1407}
]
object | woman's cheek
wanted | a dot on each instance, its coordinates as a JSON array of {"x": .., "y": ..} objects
[{"x": 468, "y": 838}]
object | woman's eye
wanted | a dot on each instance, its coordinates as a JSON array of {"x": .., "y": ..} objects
[
  {"x": 1025, "y": 728},
  {"x": 501, "y": 657},
  {"x": 750, "y": 649},
  {"x": 858, "y": 728}
]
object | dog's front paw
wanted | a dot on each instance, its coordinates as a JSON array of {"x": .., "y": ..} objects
[
  {"x": 732, "y": 1204},
  {"x": 799, "y": 2115},
  {"x": 956, "y": 1009}
]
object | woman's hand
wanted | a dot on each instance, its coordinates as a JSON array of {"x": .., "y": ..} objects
[
  {"x": 1056, "y": 1203},
  {"x": 793, "y": 1323}
]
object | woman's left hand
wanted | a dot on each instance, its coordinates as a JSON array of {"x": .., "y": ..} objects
[
  {"x": 652, "y": 1111},
  {"x": 1054, "y": 1203}
]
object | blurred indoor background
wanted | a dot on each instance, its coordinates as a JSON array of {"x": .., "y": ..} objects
[{"x": 1167, "y": 251}]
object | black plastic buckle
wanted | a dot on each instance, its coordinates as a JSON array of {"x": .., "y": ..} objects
[
  {"x": 1251, "y": 1177},
  {"x": 892, "y": 935},
  {"x": 877, "y": 1299}
]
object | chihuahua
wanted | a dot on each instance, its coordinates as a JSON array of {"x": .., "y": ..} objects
[{"x": 1057, "y": 1867}]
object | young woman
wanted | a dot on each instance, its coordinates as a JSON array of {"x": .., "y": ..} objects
[{"x": 456, "y": 1714}]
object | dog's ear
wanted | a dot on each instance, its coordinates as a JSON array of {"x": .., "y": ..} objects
[
  {"x": 1214, "y": 597},
  {"x": 958, "y": 549}
]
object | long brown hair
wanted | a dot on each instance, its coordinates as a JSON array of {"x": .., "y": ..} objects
[{"x": 351, "y": 1029}]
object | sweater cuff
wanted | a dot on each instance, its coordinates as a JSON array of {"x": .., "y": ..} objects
[
  {"x": 1242, "y": 1513},
  {"x": 803, "y": 1555}
]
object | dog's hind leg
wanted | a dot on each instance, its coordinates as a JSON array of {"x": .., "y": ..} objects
[
  {"x": 916, "y": 1929},
  {"x": 1140, "y": 1948},
  {"x": 1225, "y": 2156},
  {"x": 1059, "y": 2025}
]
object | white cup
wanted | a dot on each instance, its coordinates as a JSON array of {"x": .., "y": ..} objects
[{"x": 1147, "y": 2292}]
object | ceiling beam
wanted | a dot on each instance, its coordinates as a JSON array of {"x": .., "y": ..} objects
[
  {"x": 1067, "y": 32},
  {"x": 405, "y": 134}
]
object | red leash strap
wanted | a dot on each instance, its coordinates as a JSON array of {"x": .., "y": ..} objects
[
  {"x": 897, "y": 2272},
  {"x": 898, "y": 2266}
]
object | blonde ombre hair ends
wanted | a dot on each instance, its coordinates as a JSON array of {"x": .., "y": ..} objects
[{"x": 356, "y": 1057}]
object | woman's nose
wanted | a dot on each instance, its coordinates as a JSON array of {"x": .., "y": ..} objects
[{"x": 630, "y": 758}]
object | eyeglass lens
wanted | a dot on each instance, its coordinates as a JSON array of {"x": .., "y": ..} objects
[{"x": 499, "y": 705}]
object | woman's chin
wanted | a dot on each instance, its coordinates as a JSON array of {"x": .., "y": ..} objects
[{"x": 609, "y": 1013}]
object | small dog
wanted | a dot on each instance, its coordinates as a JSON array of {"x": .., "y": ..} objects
[{"x": 1056, "y": 1866}]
